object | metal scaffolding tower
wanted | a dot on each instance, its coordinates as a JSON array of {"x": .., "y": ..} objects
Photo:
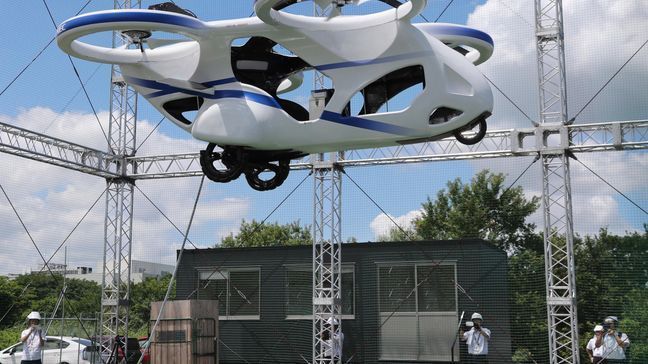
[
  {"x": 118, "y": 226},
  {"x": 327, "y": 258},
  {"x": 556, "y": 192}
]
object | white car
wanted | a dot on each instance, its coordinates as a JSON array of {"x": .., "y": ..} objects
[{"x": 57, "y": 350}]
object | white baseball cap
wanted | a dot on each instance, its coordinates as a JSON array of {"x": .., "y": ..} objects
[
  {"x": 476, "y": 316},
  {"x": 34, "y": 315},
  {"x": 598, "y": 328}
]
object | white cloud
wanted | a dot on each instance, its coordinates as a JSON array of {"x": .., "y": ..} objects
[
  {"x": 51, "y": 200},
  {"x": 382, "y": 224}
]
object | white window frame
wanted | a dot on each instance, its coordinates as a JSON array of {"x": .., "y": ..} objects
[
  {"x": 346, "y": 268},
  {"x": 223, "y": 273},
  {"x": 417, "y": 312}
]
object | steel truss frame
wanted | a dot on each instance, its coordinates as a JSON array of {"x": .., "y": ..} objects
[
  {"x": 118, "y": 226},
  {"x": 554, "y": 139},
  {"x": 560, "y": 277},
  {"x": 327, "y": 258}
]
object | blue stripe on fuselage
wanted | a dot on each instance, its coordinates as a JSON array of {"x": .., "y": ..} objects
[{"x": 366, "y": 124}]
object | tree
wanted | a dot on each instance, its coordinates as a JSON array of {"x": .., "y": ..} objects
[
  {"x": 484, "y": 208},
  {"x": 149, "y": 290},
  {"x": 255, "y": 234}
]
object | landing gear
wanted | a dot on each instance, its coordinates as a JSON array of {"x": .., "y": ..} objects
[
  {"x": 264, "y": 170},
  {"x": 255, "y": 172},
  {"x": 467, "y": 136},
  {"x": 228, "y": 158}
]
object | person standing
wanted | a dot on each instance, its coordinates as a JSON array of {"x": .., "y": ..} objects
[
  {"x": 477, "y": 340},
  {"x": 615, "y": 342},
  {"x": 594, "y": 347},
  {"x": 334, "y": 344},
  {"x": 33, "y": 340}
]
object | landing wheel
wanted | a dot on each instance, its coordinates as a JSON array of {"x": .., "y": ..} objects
[
  {"x": 267, "y": 176},
  {"x": 211, "y": 164},
  {"x": 468, "y": 136}
]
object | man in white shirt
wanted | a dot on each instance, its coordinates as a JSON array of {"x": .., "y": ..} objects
[
  {"x": 334, "y": 345},
  {"x": 595, "y": 346},
  {"x": 33, "y": 340},
  {"x": 477, "y": 340},
  {"x": 614, "y": 341}
]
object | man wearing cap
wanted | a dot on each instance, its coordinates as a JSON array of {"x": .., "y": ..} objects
[
  {"x": 595, "y": 346},
  {"x": 33, "y": 340},
  {"x": 614, "y": 341},
  {"x": 477, "y": 340}
]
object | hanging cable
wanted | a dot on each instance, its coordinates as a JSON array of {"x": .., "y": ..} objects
[
  {"x": 406, "y": 233},
  {"x": 257, "y": 228},
  {"x": 40, "y": 254},
  {"x": 78, "y": 76},
  {"x": 442, "y": 12},
  {"x": 535, "y": 159},
  {"x": 37, "y": 55},
  {"x": 62, "y": 110},
  {"x": 164, "y": 215},
  {"x": 608, "y": 81},
  {"x": 511, "y": 101},
  {"x": 149, "y": 135},
  {"x": 611, "y": 186},
  {"x": 175, "y": 269},
  {"x": 60, "y": 246}
]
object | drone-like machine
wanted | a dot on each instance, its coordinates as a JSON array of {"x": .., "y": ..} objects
[{"x": 230, "y": 95}]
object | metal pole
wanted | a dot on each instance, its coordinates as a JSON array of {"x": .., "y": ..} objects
[
  {"x": 553, "y": 141},
  {"x": 115, "y": 293}
]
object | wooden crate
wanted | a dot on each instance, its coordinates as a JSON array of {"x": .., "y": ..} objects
[{"x": 187, "y": 332}]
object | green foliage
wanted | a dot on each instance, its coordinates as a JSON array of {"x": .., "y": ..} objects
[
  {"x": 142, "y": 294},
  {"x": 9, "y": 293},
  {"x": 484, "y": 208},
  {"x": 10, "y": 336},
  {"x": 255, "y": 234},
  {"x": 635, "y": 315}
]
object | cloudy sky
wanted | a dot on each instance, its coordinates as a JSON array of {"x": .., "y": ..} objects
[{"x": 599, "y": 37}]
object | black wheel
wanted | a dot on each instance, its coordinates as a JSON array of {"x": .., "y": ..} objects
[
  {"x": 228, "y": 158},
  {"x": 472, "y": 138},
  {"x": 257, "y": 175}
]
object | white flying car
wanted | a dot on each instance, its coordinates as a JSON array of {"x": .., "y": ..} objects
[{"x": 226, "y": 82}]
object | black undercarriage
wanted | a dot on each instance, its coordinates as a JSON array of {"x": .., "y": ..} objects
[{"x": 264, "y": 170}]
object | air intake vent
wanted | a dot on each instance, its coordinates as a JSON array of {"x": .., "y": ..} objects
[
  {"x": 177, "y": 108},
  {"x": 444, "y": 114}
]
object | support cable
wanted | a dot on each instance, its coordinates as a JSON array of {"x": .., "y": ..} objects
[
  {"x": 57, "y": 249},
  {"x": 535, "y": 123},
  {"x": 610, "y": 185},
  {"x": 149, "y": 134},
  {"x": 164, "y": 215},
  {"x": 608, "y": 81},
  {"x": 37, "y": 55},
  {"x": 62, "y": 110},
  {"x": 442, "y": 12},
  {"x": 42, "y": 257},
  {"x": 85, "y": 91},
  {"x": 425, "y": 253},
  {"x": 175, "y": 270},
  {"x": 258, "y": 227}
]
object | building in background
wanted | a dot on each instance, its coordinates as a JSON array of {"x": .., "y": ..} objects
[
  {"x": 140, "y": 270},
  {"x": 400, "y": 300}
]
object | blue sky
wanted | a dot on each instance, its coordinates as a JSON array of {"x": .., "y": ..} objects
[{"x": 47, "y": 98}]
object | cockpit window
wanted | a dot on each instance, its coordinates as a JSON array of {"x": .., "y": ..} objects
[{"x": 394, "y": 91}]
